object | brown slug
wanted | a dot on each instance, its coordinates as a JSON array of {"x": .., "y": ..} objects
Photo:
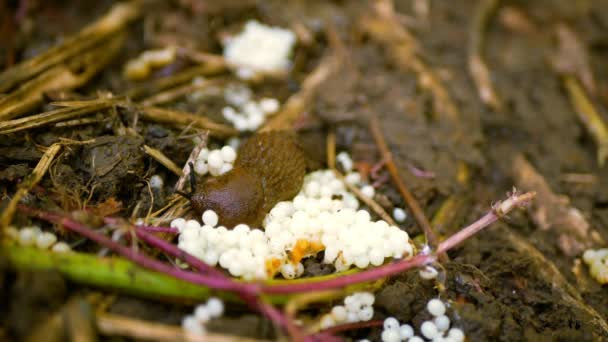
[{"x": 269, "y": 168}]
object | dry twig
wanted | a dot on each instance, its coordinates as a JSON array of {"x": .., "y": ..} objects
[
  {"x": 411, "y": 202},
  {"x": 117, "y": 325},
  {"x": 477, "y": 65},
  {"x": 163, "y": 159},
  {"x": 31, "y": 181},
  {"x": 589, "y": 116}
]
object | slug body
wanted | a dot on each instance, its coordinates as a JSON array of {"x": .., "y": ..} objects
[{"x": 269, "y": 168}]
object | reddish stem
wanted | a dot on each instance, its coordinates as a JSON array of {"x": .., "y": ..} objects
[
  {"x": 365, "y": 276},
  {"x": 142, "y": 259},
  {"x": 155, "y": 229},
  {"x": 169, "y": 248}
]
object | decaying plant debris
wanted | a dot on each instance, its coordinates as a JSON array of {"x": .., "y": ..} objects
[{"x": 444, "y": 107}]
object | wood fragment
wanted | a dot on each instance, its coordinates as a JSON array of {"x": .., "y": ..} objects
[
  {"x": 117, "y": 325},
  {"x": 410, "y": 200},
  {"x": 331, "y": 149},
  {"x": 589, "y": 116},
  {"x": 28, "y": 183},
  {"x": 51, "y": 117},
  {"x": 157, "y": 85},
  {"x": 163, "y": 159},
  {"x": 179, "y": 118},
  {"x": 74, "y": 74},
  {"x": 175, "y": 93},
  {"x": 572, "y": 58},
  {"x": 373, "y": 205},
  {"x": 477, "y": 66},
  {"x": 107, "y": 26}
]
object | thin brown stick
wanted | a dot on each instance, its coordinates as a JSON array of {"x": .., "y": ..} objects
[
  {"x": 179, "y": 118},
  {"x": 373, "y": 205},
  {"x": 331, "y": 149},
  {"x": 31, "y": 181},
  {"x": 589, "y": 116},
  {"x": 163, "y": 159},
  {"x": 112, "y": 325},
  {"x": 113, "y": 21},
  {"x": 331, "y": 162},
  {"x": 477, "y": 66},
  {"x": 411, "y": 202},
  {"x": 174, "y": 93}
]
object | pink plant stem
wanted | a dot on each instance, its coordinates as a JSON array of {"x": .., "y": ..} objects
[
  {"x": 170, "y": 249},
  {"x": 142, "y": 259},
  {"x": 467, "y": 232},
  {"x": 343, "y": 281},
  {"x": 174, "y": 251},
  {"x": 154, "y": 229},
  {"x": 499, "y": 210}
]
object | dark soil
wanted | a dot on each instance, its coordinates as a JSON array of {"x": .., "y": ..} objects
[{"x": 509, "y": 283}]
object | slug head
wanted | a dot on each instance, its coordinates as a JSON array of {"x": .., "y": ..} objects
[{"x": 236, "y": 196}]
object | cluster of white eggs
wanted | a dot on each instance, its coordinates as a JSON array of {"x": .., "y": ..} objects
[
  {"x": 357, "y": 307},
  {"x": 203, "y": 313},
  {"x": 34, "y": 236},
  {"x": 437, "y": 329},
  {"x": 245, "y": 113},
  {"x": 215, "y": 162},
  {"x": 597, "y": 260},
  {"x": 259, "y": 49},
  {"x": 323, "y": 216}
]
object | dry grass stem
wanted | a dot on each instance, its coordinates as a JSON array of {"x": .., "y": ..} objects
[
  {"x": 589, "y": 116},
  {"x": 155, "y": 86},
  {"x": 69, "y": 76},
  {"x": 175, "y": 93},
  {"x": 116, "y": 325},
  {"x": 411, "y": 202},
  {"x": 477, "y": 65},
  {"x": 29, "y": 182},
  {"x": 183, "y": 119},
  {"x": 50, "y": 117},
  {"x": 163, "y": 159},
  {"x": 373, "y": 205},
  {"x": 107, "y": 26},
  {"x": 331, "y": 149}
]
